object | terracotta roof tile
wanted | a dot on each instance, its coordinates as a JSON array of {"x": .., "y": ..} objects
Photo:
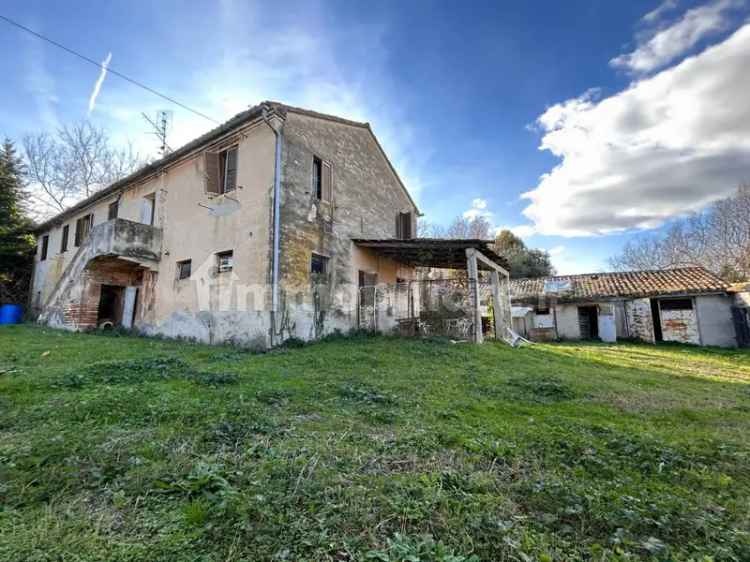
[{"x": 626, "y": 284}]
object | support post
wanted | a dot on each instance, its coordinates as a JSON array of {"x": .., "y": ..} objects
[
  {"x": 495, "y": 276},
  {"x": 473, "y": 269}
]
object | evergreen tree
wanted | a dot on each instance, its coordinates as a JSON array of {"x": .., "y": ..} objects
[
  {"x": 16, "y": 242},
  {"x": 524, "y": 262}
]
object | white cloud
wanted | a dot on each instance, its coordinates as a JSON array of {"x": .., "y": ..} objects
[
  {"x": 478, "y": 209},
  {"x": 666, "y": 145},
  {"x": 657, "y": 13},
  {"x": 295, "y": 61},
  {"x": 99, "y": 82},
  {"x": 522, "y": 230},
  {"x": 659, "y": 48},
  {"x": 556, "y": 250}
]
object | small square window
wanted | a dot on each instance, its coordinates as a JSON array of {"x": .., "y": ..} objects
[
  {"x": 318, "y": 265},
  {"x": 541, "y": 310},
  {"x": 224, "y": 261},
  {"x": 184, "y": 269}
]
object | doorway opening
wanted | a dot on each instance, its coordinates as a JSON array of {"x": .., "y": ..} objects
[
  {"x": 110, "y": 306},
  {"x": 588, "y": 322},
  {"x": 656, "y": 320}
]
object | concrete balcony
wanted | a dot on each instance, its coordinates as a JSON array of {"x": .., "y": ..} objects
[{"x": 127, "y": 240}]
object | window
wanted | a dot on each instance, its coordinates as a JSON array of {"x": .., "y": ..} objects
[
  {"x": 83, "y": 227},
  {"x": 318, "y": 266},
  {"x": 184, "y": 269},
  {"x": 45, "y": 244},
  {"x": 64, "y": 240},
  {"x": 321, "y": 179},
  {"x": 228, "y": 167},
  {"x": 676, "y": 304},
  {"x": 224, "y": 261},
  {"x": 541, "y": 310},
  {"x": 112, "y": 212},
  {"x": 148, "y": 208},
  {"x": 403, "y": 226},
  {"x": 221, "y": 171}
]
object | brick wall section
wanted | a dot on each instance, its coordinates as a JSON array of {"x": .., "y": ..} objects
[{"x": 83, "y": 314}]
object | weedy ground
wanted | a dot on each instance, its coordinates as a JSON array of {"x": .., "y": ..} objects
[{"x": 370, "y": 448}]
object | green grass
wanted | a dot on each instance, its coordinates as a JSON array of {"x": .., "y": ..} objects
[{"x": 120, "y": 448}]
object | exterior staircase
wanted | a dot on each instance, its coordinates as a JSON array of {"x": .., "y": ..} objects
[{"x": 118, "y": 238}]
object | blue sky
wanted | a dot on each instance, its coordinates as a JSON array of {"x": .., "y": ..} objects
[{"x": 575, "y": 123}]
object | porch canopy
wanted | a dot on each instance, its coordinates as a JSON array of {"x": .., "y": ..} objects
[
  {"x": 434, "y": 252},
  {"x": 469, "y": 254}
]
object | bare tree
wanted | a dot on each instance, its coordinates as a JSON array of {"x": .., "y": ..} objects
[
  {"x": 76, "y": 162},
  {"x": 462, "y": 227},
  {"x": 427, "y": 229},
  {"x": 717, "y": 239}
]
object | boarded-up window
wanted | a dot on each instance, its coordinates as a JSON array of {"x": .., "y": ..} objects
[
  {"x": 64, "y": 240},
  {"x": 83, "y": 227},
  {"x": 45, "y": 245},
  {"x": 322, "y": 179},
  {"x": 113, "y": 210},
  {"x": 403, "y": 226}
]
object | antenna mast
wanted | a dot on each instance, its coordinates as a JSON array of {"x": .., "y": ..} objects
[{"x": 160, "y": 127}]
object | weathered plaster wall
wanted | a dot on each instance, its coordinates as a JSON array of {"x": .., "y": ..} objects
[
  {"x": 215, "y": 307},
  {"x": 189, "y": 231},
  {"x": 640, "y": 323},
  {"x": 567, "y": 322},
  {"x": 680, "y": 326},
  {"x": 715, "y": 320},
  {"x": 366, "y": 197}
]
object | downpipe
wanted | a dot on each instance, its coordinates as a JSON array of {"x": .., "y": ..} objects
[{"x": 276, "y": 226}]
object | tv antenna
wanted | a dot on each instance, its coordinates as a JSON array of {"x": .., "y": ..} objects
[{"x": 161, "y": 125}]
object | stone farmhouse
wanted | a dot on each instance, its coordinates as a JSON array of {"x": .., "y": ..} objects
[{"x": 265, "y": 228}]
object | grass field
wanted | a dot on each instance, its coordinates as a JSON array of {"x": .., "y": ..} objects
[{"x": 369, "y": 448}]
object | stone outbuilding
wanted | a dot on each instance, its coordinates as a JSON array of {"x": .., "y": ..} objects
[{"x": 686, "y": 305}]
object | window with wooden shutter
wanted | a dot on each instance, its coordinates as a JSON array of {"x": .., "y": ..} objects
[
  {"x": 228, "y": 165},
  {"x": 326, "y": 183},
  {"x": 83, "y": 226},
  {"x": 322, "y": 185},
  {"x": 113, "y": 210},
  {"x": 403, "y": 226},
  {"x": 45, "y": 245},
  {"x": 317, "y": 177},
  {"x": 64, "y": 241},
  {"x": 212, "y": 174}
]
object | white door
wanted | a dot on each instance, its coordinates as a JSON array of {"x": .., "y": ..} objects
[
  {"x": 128, "y": 307},
  {"x": 607, "y": 326}
]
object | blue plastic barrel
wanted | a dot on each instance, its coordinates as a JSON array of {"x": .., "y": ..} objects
[{"x": 11, "y": 313}]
